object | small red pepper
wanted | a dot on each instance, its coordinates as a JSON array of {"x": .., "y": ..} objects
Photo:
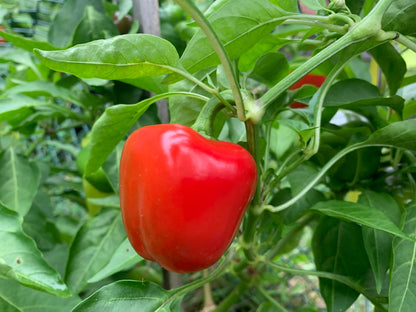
[{"x": 183, "y": 196}]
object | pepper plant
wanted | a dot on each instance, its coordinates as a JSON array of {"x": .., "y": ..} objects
[{"x": 341, "y": 166}]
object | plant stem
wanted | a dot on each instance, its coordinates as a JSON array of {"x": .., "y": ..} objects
[
  {"x": 304, "y": 69},
  {"x": 331, "y": 27},
  {"x": 318, "y": 107},
  {"x": 34, "y": 144},
  {"x": 371, "y": 24},
  {"x": 205, "y": 120},
  {"x": 252, "y": 213},
  {"x": 219, "y": 49},
  {"x": 407, "y": 42},
  {"x": 179, "y": 292},
  {"x": 278, "y": 306},
  {"x": 208, "y": 301}
]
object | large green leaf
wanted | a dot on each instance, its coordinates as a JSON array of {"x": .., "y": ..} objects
[
  {"x": 22, "y": 261},
  {"x": 93, "y": 247},
  {"x": 361, "y": 214},
  {"x": 378, "y": 244},
  {"x": 338, "y": 248},
  {"x": 403, "y": 270},
  {"x": 129, "y": 296},
  {"x": 239, "y": 24},
  {"x": 122, "y": 57},
  {"x": 17, "y": 298},
  {"x": 19, "y": 181},
  {"x": 400, "y": 17}
]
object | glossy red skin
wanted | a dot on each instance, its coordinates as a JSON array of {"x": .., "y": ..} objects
[
  {"x": 183, "y": 196},
  {"x": 311, "y": 79}
]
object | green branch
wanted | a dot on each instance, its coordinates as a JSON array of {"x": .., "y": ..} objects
[
  {"x": 219, "y": 49},
  {"x": 406, "y": 42},
  {"x": 181, "y": 291}
]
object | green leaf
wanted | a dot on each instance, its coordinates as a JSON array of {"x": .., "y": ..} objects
[
  {"x": 25, "y": 43},
  {"x": 122, "y": 57},
  {"x": 17, "y": 56},
  {"x": 239, "y": 24},
  {"x": 270, "y": 68},
  {"x": 378, "y": 244},
  {"x": 361, "y": 214},
  {"x": 93, "y": 247},
  {"x": 19, "y": 181},
  {"x": 392, "y": 65},
  {"x": 19, "y": 109},
  {"x": 123, "y": 258},
  {"x": 356, "y": 93},
  {"x": 403, "y": 269},
  {"x": 338, "y": 248},
  {"x": 20, "y": 57},
  {"x": 15, "y": 297},
  {"x": 42, "y": 88},
  {"x": 298, "y": 177},
  {"x": 22, "y": 261},
  {"x": 113, "y": 125},
  {"x": 152, "y": 84},
  {"x": 124, "y": 7},
  {"x": 400, "y": 134},
  {"x": 269, "y": 43},
  {"x": 355, "y": 6},
  {"x": 183, "y": 110},
  {"x": 400, "y": 17},
  {"x": 127, "y": 296},
  {"x": 66, "y": 21},
  {"x": 282, "y": 139},
  {"x": 94, "y": 25},
  {"x": 111, "y": 201},
  {"x": 39, "y": 222}
]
